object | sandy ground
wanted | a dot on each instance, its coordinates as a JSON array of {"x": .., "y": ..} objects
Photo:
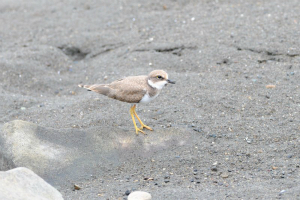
[{"x": 233, "y": 114}]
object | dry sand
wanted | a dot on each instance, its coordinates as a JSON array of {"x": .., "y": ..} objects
[{"x": 232, "y": 116}]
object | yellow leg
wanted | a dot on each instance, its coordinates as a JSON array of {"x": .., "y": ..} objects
[
  {"x": 132, "y": 113},
  {"x": 143, "y": 125}
]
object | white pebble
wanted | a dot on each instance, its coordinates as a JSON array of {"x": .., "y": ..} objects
[
  {"x": 139, "y": 195},
  {"x": 282, "y": 191}
]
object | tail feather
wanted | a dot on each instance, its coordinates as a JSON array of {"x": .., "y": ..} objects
[
  {"x": 99, "y": 88},
  {"x": 84, "y": 86}
]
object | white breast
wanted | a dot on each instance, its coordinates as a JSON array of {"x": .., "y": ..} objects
[{"x": 146, "y": 98}]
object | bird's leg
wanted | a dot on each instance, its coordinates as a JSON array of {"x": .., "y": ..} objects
[
  {"x": 143, "y": 125},
  {"x": 132, "y": 113}
]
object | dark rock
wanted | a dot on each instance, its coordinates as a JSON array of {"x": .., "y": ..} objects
[
  {"x": 214, "y": 169},
  {"x": 198, "y": 129}
]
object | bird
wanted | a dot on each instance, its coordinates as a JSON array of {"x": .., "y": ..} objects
[{"x": 134, "y": 89}]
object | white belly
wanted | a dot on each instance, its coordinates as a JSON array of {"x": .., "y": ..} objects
[{"x": 146, "y": 98}]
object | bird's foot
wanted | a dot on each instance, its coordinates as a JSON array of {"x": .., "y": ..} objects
[
  {"x": 146, "y": 127},
  {"x": 137, "y": 130}
]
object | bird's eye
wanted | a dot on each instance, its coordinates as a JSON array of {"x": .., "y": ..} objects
[{"x": 159, "y": 77}]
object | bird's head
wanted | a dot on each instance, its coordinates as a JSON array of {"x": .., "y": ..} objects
[{"x": 158, "y": 79}]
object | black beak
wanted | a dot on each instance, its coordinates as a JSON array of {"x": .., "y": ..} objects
[{"x": 170, "y": 81}]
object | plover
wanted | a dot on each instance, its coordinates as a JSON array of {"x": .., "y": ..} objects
[{"x": 134, "y": 89}]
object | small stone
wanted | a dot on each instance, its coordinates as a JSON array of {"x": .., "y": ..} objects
[
  {"x": 270, "y": 86},
  {"x": 214, "y": 169},
  {"x": 198, "y": 129},
  {"x": 248, "y": 140},
  {"x": 148, "y": 179},
  {"x": 224, "y": 175},
  {"x": 281, "y": 192},
  {"x": 23, "y": 108},
  {"x": 127, "y": 192},
  {"x": 274, "y": 168},
  {"x": 76, "y": 187},
  {"x": 225, "y": 61},
  {"x": 139, "y": 195}
]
